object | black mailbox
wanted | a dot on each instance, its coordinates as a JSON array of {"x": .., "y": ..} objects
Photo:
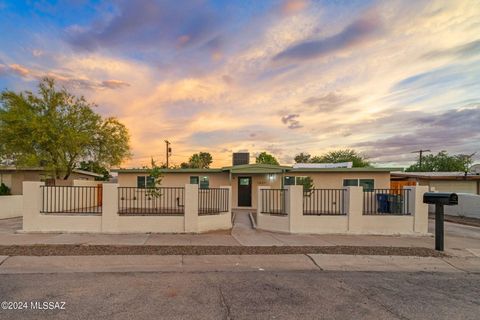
[
  {"x": 443, "y": 198},
  {"x": 440, "y": 199}
]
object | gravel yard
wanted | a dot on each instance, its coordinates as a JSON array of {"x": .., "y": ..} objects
[{"x": 80, "y": 250}]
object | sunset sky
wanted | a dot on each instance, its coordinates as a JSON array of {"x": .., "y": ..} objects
[{"x": 382, "y": 77}]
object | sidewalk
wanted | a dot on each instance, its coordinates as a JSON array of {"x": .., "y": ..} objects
[{"x": 235, "y": 263}]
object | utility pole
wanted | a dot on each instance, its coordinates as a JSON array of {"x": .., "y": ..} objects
[
  {"x": 168, "y": 150},
  {"x": 421, "y": 151}
]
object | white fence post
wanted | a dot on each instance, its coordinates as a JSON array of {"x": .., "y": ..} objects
[
  {"x": 259, "y": 205},
  {"x": 191, "y": 208},
  {"x": 32, "y": 204},
  {"x": 110, "y": 207},
  {"x": 229, "y": 212},
  {"x": 417, "y": 208},
  {"x": 354, "y": 208},
  {"x": 295, "y": 207}
]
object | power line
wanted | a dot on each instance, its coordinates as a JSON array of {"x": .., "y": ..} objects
[{"x": 421, "y": 151}]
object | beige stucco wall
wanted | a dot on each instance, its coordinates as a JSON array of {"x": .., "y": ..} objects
[
  {"x": 321, "y": 180},
  {"x": 14, "y": 179},
  {"x": 258, "y": 180},
  {"x": 354, "y": 221},
  {"x": 6, "y": 178},
  {"x": 175, "y": 179},
  {"x": 334, "y": 180},
  {"x": 454, "y": 186},
  {"x": 11, "y": 206},
  {"x": 468, "y": 206}
]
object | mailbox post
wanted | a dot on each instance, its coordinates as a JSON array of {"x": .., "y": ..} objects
[{"x": 440, "y": 199}]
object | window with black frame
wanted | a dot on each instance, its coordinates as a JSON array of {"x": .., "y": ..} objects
[
  {"x": 194, "y": 179},
  {"x": 204, "y": 182},
  {"x": 145, "y": 182}
]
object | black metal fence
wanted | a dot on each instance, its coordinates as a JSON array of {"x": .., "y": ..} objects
[
  {"x": 151, "y": 201},
  {"x": 213, "y": 201},
  {"x": 71, "y": 200},
  {"x": 274, "y": 201},
  {"x": 386, "y": 202},
  {"x": 324, "y": 202}
]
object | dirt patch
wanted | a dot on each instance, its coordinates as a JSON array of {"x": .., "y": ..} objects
[
  {"x": 474, "y": 222},
  {"x": 81, "y": 250}
]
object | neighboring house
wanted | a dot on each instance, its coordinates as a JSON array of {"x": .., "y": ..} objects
[
  {"x": 246, "y": 178},
  {"x": 459, "y": 182},
  {"x": 475, "y": 168},
  {"x": 13, "y": 177}
]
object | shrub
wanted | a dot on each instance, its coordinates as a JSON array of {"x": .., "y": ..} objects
[{"x": 4, "y": 190}]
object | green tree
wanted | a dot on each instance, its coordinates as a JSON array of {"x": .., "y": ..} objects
[
  {"x": 201, "y": 160},
  {"x": 95, "y": 167},
  {"x": 266, "y": 158},
  {"x": 155, "y": 172},
  {"x": 57, "y": 130},
  {"x": 345, "y": 155},
  {"x": 302, "y": 158},
  {"x": 442, "y": 162},
  {"x": 307, "y": 183}
]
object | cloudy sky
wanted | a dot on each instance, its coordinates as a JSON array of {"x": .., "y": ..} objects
[{"x": 383, "y": 77}]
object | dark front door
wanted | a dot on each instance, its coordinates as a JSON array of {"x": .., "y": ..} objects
[{"x": 244, "y": 191}]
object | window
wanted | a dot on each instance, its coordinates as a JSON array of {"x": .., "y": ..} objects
[
  {"x": 300, "y": 180},
  {"x": 141, "y": 182},
  {"x": 194, "y": 179},
  {"x": 288, "y": 181},
  {"x": 150, "y": 182},
  {"x": 145, "y": 182},
  {"x": 204, "y": 183},
  {"x": 350, "y": 182},
  {"x": 367, "y": 184},
  {"x": 244, "y": 181}
]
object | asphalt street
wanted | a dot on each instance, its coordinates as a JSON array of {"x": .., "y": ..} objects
[{"x": 246, "y": 295}]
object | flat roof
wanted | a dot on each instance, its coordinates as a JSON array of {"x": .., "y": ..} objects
[
  {"x": 84, "y": 172},
  {"x": 456, "y": 175},
  {"x": 354, "y": 169},
  {"x": 257, "y": 168},
  {"x": 186, "y": 170}
]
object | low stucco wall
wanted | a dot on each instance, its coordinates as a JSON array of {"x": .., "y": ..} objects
[
  {"x": 143, "y": 224},
  {"x": 468, "y": 206},
  {"x": 321, "y": 224},
  {"x": 59, "y": 223},
  {"x": 353, "y": 222},
  {"x": 272, "y": 222},
  {"x": 11, "y": 206},
  {"x": 222, "y": 221},
  {"x": 109, "y": 221},
  {"x": 384, "y": 225}
]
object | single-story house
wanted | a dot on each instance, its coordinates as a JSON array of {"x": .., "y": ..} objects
[
  {"x": 246, "y": 178},
  {"x": 459, "y": 182},
  {"x": 13, "y": 177}
]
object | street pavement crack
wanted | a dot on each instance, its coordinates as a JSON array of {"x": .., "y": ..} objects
[
  {"x": 2, "y": 262},
  {"x": 453, "y": 266},
  {"x": 224, "y": 304},
  {"x": 314, "y": 262}
]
